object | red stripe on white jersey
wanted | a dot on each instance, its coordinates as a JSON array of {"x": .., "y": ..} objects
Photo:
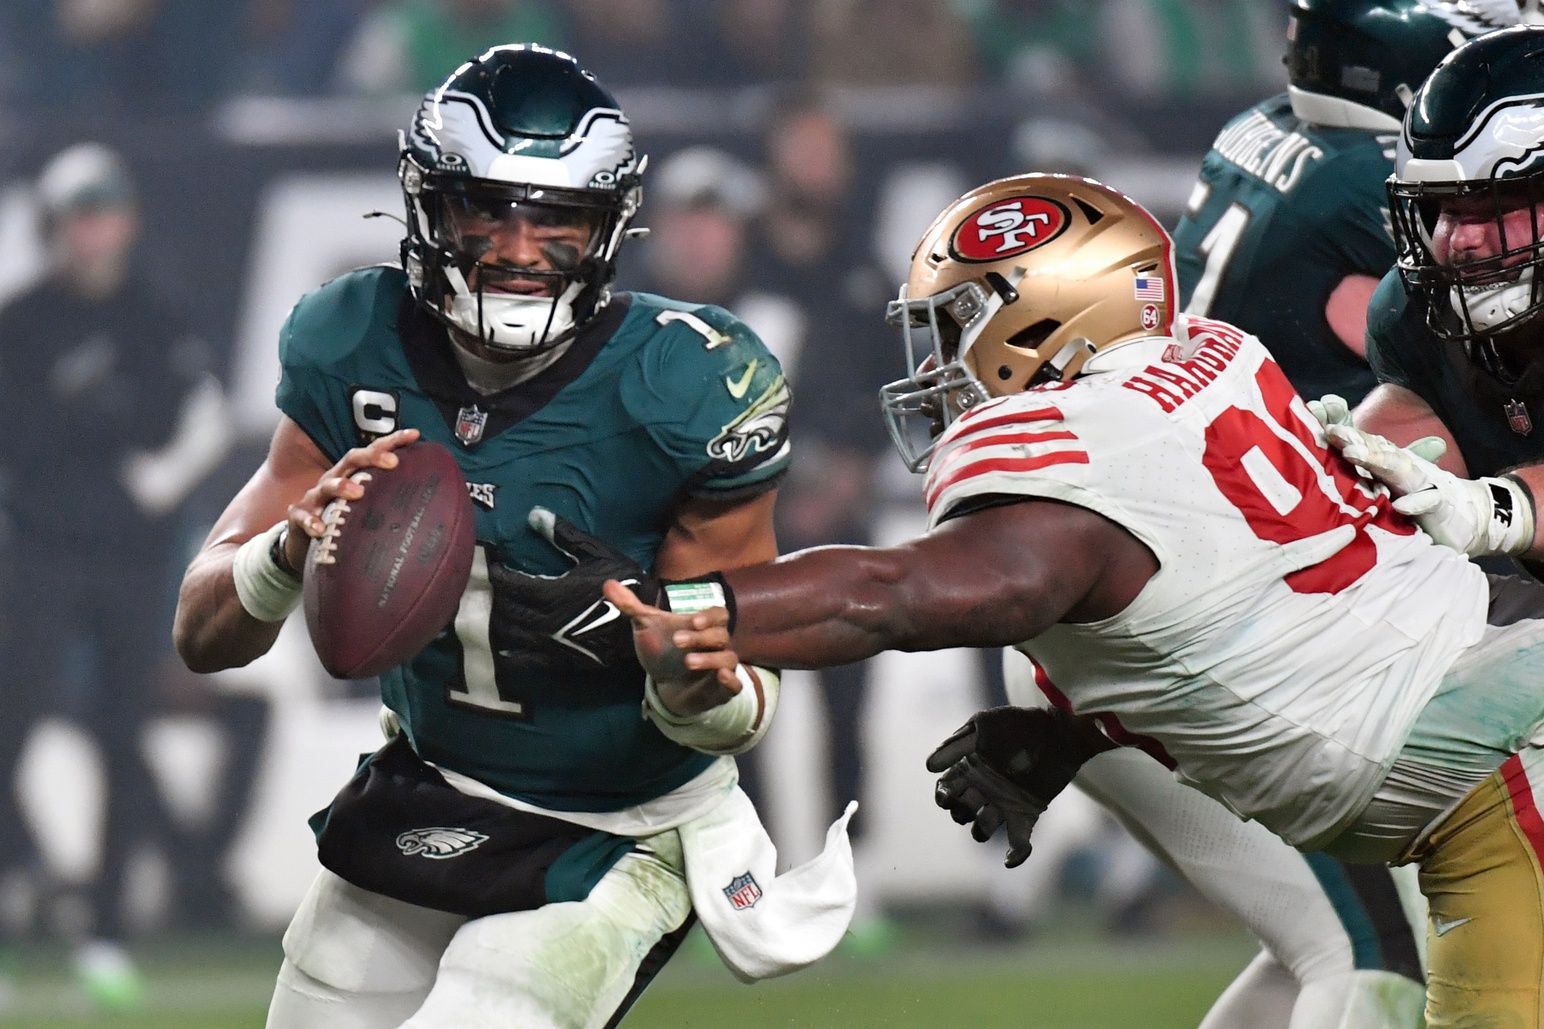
[
  {"x": 972, "y": 441},
  {"x": 950, "y": 456},
  {"x": 984, "y": 466},
  {"x": 1107, "y": 722},
  {"x": 964, "y": 426}
]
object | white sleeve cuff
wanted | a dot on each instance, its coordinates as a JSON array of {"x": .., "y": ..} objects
[{"x": 732, "y": 727}]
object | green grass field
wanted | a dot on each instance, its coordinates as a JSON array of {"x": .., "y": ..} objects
[{"x": 927, "y": 981}]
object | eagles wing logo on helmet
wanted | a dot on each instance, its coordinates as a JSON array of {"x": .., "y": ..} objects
[
  {"x": 458, "y": 128},
  {"x": 440, "y": 842},
  {"x": 1008, "y": 227},
  {"x": 1507, "y": 142},
  {"x": 1471, "y": 18},
  {"x": 602, "y": 151}
]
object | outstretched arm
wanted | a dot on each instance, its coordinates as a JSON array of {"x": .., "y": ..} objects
[{"x": 994, "y": 577}]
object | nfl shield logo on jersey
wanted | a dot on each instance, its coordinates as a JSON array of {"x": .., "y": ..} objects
[
  {"x": 743, "y": 892},
  {"x": 469, "y": 424},
  {"x": 1517, "y": 418}
]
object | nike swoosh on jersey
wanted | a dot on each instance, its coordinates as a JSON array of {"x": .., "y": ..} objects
[
  {"x": 737, "y": 387},
  {"x": 1442, "y": 928}
]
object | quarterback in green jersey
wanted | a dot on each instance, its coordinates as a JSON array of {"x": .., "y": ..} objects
[{"x": 518, "y": 852}]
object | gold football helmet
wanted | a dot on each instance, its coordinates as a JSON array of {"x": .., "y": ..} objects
[{"x": 1016, "y": 284}]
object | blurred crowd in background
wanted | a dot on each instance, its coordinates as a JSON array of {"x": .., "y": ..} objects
[
  {"x": 799, "y": 147},
  {"x": 189, "y": 55}
]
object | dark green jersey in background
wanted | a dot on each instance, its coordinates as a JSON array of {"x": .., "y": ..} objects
[
  {"x": 1494, "y": 428},
  {"x": 653, "y": 402},
  {"x": 1282, "y": 212}
]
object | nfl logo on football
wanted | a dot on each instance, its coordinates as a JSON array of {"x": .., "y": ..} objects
[{"x": 743, "y": 892}]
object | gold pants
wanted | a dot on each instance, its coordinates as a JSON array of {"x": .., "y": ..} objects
[{"x": 1483, "y": 872}]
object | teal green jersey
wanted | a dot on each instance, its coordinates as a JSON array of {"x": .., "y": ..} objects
[
  {"x": 653, "y": 402},
  {"x": 1282, "y": 212},
  {"x": 1495, "y": 428}
]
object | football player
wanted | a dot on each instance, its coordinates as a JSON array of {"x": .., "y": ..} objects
[
  {"x": 1285, "y": 236},
  {"x": 1453, "y": 332},
  {"x": 1140, "y": 502},
  {"x": 518, "y": 853},
  {"x": 1287, "y": 230}
]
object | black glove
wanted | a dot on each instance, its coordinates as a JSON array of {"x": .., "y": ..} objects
[
  {"x": 1003, "y": 767},
  {"x": 555, "y": 623}
]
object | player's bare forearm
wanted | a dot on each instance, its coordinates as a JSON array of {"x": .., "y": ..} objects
[
  {"x": 212, "y": 631},
  {"x": 995, "y": 577},
  {"x": 1402, "y": 416}
]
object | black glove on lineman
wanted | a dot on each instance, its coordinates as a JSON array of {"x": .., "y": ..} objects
[
  {"x": 1003, "y": 767},
  {"x": 562, "y": 622}
]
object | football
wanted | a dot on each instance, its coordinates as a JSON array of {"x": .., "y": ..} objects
[{"x": 388, "y": 573}]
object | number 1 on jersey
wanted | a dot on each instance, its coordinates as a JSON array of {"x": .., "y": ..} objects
[
  {"x": 478, "y": 686},
  {"x": 1217, "y": 247}
]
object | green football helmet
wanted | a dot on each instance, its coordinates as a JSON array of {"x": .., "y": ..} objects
[
  {"x": 1357, "y": 63},
  {"x": 521, "y": 132},
  {"x": 1475, "y": 135}
]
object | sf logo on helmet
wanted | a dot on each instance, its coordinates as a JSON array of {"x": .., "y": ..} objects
[{"x": 1008, "y": 227}]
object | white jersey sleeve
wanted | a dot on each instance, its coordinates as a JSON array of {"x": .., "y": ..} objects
[{"x": 1295, "y": 626}]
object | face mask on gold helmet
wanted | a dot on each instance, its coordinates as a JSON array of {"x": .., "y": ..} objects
[{"x": 1017, "y": 284}]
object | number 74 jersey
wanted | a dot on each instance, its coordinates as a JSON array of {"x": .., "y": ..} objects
[{"x": 1296, "y": 625}]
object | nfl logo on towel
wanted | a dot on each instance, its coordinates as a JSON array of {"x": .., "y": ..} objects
[{"x": 743, "y": 892}]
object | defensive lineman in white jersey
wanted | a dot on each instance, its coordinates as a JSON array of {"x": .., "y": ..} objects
[{"x": 1154, "y": 516}]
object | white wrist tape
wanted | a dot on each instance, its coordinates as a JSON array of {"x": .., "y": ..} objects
[
  {"x": 732, "y": 727},
  {"x": 268, "y": 592}
]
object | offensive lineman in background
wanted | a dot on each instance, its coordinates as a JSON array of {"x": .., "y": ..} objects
[
  {"x": 572, "y": 819},
  {"x": 1454, "y": 329},
  {"x": 1287, "y": 230},
  {"x": 1285, "y": 234}
]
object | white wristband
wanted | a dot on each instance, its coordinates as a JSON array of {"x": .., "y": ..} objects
[
  {"x": 1511, "y": 526},
  {"x": 733, "y": 727},
  {"x": 268, "y": 592}
]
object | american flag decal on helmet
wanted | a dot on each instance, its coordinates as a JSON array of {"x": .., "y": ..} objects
[{"x": 743, "y": 892}]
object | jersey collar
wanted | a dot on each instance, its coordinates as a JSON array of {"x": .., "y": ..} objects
[
  {"x": 427, "y": 347},
  {"x": 1139, "y": 353}
]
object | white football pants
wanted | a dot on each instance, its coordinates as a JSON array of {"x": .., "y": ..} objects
[
  {"x": 1306, "y": 976},
  {"x": 358, "y": 960}
]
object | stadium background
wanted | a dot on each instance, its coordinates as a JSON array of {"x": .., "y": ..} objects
[{"x": 262, "y": 132}]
